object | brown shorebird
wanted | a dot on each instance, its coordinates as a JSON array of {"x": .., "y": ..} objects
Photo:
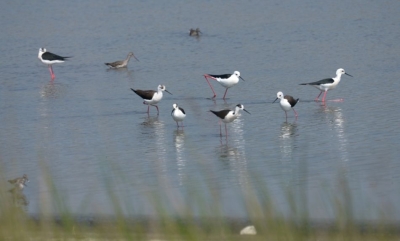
[
  {"x": 194, "y": 32},
  {"x": 19, "y": 182},
  {"x": 121, "y": 63}
]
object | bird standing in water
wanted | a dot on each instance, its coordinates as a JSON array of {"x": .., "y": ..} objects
[
  {"x": 151, "y": 97},
  {"x": 227, "y": 116},
  {"x": 121, "y": 63},
  {"x": 287, "y": 102},
  {"x": 327, "y": 84},
  {"x": 178, "y": 114},
  {"x": 50, "y": 59}
]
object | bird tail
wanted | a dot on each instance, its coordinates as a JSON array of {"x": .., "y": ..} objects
[
  {"x": 296, "y": 102},
  {"x": 133, "y": 90},
  {"x": 304, "y": 84}
]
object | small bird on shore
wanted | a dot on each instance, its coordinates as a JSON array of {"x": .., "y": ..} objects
[
  {"x": 50, "y": 59},
  {"x": 151, "y": 97},
  {"x": 19, "y": 182},
  {"x": 178, "y": 114},
  {"x": 194, "y": 32},
  {"x": 227, "y": 116},
  {"x": 286, "y": 102},
  {"x": 121, "y": 63},
  {"x": 327, "y": 84}
]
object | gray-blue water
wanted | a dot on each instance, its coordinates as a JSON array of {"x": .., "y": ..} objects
[{"x": 90, "y": 134}]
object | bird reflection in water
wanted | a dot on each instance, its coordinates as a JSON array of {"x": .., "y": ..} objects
[
  {"x": 51, "y": 90},
  {"x": 234, "y": 153},
  {"x": 150, "y": 121},
  {"x": 288, "y": 132},
  {"x": 154, "y": 143},
  {"x": 18, "y": 197},
  {"x": 336, "y": 122},
  {"x": 179, "y": 141}
]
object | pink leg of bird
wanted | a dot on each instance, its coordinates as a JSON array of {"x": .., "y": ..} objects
[
  {"x": 323, "y": 98},
  {"x": 316, "y": 99},
  {"x": 205, "y": 76},
  {"x": 158, "y": 112},
  {"x": 51, "y": 72},
  {"x": 295, "y": 113},
  {"x": 220, "y": 129},
  {"x": 226, "y": 131},
  {"x": 225, "y": 93}
]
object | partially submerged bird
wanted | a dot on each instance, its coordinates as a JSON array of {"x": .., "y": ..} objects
[
  {"x": 286, "y": 102},
  {"x": 151, "y": 97},
  {"x": 121, "y": 63},
  {"x": 226, "y": 80},
  {"x": 50, "y": 59},
  {"x": 194, "y": 32},
  {"x": 227, "y": 116},
  {"x": 327, "y": 84},
  {"x": 178, "y": 114},
  {"x": 19, "y": 182}
]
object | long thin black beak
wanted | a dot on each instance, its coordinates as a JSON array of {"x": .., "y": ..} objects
[
  {"x": 135, "y": 58},
  {"x": 246, "y": 111},
  {"x": 167, "y": 92},
  {"x": 348, "y": 74},
  {"x": 275, "y": 100},
  {"x": 241, "y": 78}
]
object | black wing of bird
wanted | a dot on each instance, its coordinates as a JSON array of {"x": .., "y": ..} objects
[
  {"x": 221, "y": 114},
  {"x": 221, "y": 76},
  {"x": 145, "y": 94},
  {"x": 292, "y": 101},
  {"x": 51, "y": 56},
  {"x": 320, "y": 82}
]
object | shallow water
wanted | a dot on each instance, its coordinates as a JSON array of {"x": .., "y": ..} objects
[{"x": 91, "y": 133}]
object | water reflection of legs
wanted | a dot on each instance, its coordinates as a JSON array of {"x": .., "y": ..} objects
[
  {"x": 150, "y": 121},
  {"x": 179, "y": 141},
  {"x": 51, "y": 90}
]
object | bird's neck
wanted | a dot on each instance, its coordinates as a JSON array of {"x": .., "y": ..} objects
[
  {"x": 337, "y": 78},
  {"x": 128, "y": 58}
]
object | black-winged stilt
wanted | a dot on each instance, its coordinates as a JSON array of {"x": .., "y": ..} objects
[
  {"x": 121, "y": 63},
  {"x": 194, "y": 32},
  {"x": 327, "y": 84},
  {"x": 226, "y": 80},
  {"x": 152, "y": 97},
  {"x": 287, "y": 102},
  {"x": 49, "y": 59},
  {"x": 178, "y": 114},
  {"x": 227, "y": 116}
]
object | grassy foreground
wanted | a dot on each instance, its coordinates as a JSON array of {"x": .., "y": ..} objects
[{"x": 15, "y": 224}]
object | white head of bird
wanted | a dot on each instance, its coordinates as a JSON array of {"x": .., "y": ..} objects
[
  {"x": 41, "y": 52},
  {"x": 162, "y": 88},
  {"x": 237, "y": 73}
]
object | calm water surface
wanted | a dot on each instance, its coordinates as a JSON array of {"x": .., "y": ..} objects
[{"x": 90, "y": 133}]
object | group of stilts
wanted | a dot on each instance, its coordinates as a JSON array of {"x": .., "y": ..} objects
[{"x": 153, "y": 97}]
